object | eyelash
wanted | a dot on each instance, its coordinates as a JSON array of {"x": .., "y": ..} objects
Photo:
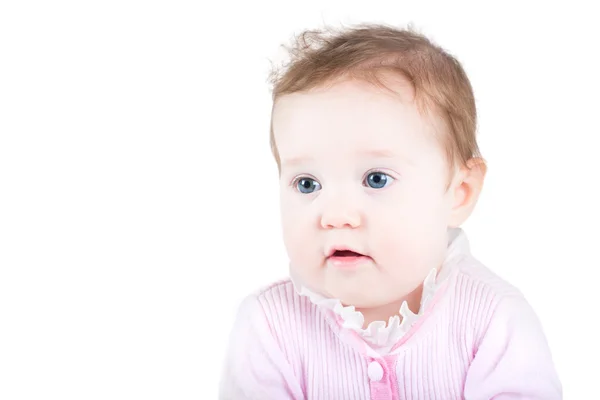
[
  {"x": 294, "y": 182},
  {"x": 297, "y": 179},
  {"x": 375, "y": 171}
]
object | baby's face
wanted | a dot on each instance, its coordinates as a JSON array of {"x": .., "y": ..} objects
[{"x": 361, "y": 171}]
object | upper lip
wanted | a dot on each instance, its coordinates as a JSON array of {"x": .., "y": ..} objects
[{"x": 333, "y": 249}]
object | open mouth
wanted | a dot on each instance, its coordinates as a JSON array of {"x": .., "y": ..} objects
[
  {"x": 347, "y": 259},
  {"x": 346, "y": 253}
]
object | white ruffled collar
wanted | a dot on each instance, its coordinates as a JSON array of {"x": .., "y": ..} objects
[{"x": 381, "y": 336}]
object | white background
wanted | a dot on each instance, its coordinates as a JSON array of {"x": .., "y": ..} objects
[{"x": 138, "y": 197}]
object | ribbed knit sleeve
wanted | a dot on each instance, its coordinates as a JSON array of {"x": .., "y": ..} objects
[
  {"x": 512, "y": 359},
  {"x": 255, "y": 368}
]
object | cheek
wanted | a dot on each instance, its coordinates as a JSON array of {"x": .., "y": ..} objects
[
  {"x": 301, "y": 242},
  {"x": 408, "y": 230},
  {"x": 399, "y": 249},
  {"x": 297, "y": 225}
]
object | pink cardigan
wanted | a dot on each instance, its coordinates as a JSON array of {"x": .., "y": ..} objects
[{"x": 478, "y": 339}]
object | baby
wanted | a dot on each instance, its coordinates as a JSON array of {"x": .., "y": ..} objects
[{"x": 373, "y": 130}]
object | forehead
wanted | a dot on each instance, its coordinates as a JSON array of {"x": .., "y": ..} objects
[{"x": 352, "y": 118}]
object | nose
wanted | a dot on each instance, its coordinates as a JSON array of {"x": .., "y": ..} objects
[{"x": 340, "y": 215}]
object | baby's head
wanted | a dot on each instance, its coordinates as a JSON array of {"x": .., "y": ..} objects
[{"x": 373, "y": 130}]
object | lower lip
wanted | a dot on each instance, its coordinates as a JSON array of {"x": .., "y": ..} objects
[{"x": 348, "y": 262}]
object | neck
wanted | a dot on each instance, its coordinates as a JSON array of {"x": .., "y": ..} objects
[{"x": 384, "y": 312}]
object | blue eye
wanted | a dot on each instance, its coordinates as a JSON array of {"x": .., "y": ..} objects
[
  {"x": 307, "y": 185},
  {"x": 378, "y": 180}
]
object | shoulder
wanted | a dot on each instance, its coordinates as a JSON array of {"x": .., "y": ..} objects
[
  {"x": 278, "y": 296},
  {"x": 481, "y": 295},
  {"x": 475, "y": 290},
  {"x": 267, "y": 299},
  {"x": 283, "y": 318},
  {"x": 475, "y": 282},
  {"x": 281, "y": 308}
]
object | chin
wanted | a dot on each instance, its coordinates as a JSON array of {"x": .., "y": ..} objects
[
  {"x": 355, "y": 295},
  {"x": 363, "y": 302}
]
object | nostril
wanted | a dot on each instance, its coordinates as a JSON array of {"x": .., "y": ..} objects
[{"x": 341, "y": 219}]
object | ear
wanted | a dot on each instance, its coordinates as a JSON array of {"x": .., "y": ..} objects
[{"x": 465, "y": 190}]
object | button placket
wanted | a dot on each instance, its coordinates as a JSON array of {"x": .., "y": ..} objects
[{"x": 379, "y": 379}]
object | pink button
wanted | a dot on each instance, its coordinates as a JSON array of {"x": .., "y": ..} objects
[{"x": 375, "y": 371}]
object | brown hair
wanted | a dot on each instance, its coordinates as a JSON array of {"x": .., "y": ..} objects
[{"x": 319, "y": 57}]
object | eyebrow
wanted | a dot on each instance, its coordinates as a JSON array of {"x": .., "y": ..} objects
[
  {"x": 374, "y": 153},
  {"x": 292, "y": 161},
  {"x": 378, "y": 153},
  {"x": 385, "y": 153}
]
